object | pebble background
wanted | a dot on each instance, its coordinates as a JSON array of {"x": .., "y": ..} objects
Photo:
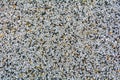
[{"x": 59, "y": 39}]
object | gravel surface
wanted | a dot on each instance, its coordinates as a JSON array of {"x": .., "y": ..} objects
[{"x": 59, "y": 39}]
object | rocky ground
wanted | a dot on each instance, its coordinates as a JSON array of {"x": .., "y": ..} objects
[{"x": 59, "y": 39}]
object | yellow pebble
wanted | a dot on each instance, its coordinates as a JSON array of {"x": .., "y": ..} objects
[
  {"x": 29, "y": 31},
  {"x": 14, "y": 6},
  {"x": 108, "y": 57},
  {"x": 110, "y": 32},
  {"x": 21, "y": 75},
  {"x": 84, "y": 1},
  {"x": 1, "y": 35},
  {"x": 119, "y": 71}
]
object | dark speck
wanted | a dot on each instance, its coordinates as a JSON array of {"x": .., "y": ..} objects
[
  {"x": 43, "y": 13},
  {"x": 106, "y": 3}
]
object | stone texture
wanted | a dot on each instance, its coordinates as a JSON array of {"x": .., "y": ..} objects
[{"x": 59, "y": 40}]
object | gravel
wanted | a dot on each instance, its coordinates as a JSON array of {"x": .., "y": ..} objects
[{"x": 59, "y": 39}]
